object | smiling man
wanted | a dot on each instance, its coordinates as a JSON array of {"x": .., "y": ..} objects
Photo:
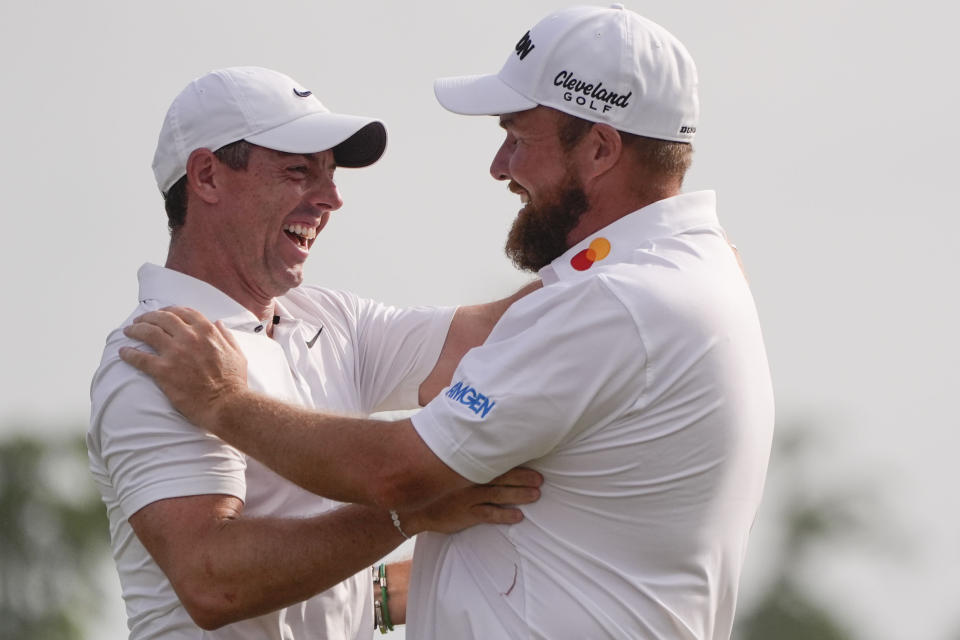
[
  {"x": 635, "y": 380},
  {"x": 203, "y": 537}
]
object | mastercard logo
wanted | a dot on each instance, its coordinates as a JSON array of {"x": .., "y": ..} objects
[{"x": 598, "y": 250}]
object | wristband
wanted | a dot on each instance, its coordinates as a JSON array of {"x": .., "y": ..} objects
[
  {"x": 385, "y": 623},
  {"x": 396, "y": 523},
  {"x": 378, "y": 616},
  {"x": 377, "y": 607}
]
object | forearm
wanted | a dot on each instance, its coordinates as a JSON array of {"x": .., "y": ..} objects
[
  {"x": 364, "y": 461},
  {"x": 226, "y": 567},
  {"x": 250, "y": 566}
]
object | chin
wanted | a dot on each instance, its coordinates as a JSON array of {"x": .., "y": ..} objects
[{"x": 288, "y": 280}]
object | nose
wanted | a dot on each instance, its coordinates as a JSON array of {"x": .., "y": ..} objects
[
  {"x": 324, "y": 194},
  {"x": 500, "y": 167}
]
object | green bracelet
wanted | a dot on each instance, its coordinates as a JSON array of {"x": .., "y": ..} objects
[{"x": 384, "y": 599}]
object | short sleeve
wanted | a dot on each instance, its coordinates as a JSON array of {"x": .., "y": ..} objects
[
  {"x": 148, "y": 450},
  {"x": 559, "y": 362},
  {"x": 397, "y": 349}
]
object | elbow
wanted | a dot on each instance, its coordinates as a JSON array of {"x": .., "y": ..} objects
[
  {"x": 209, "y": 606},
  {"x": 209, "y": 617},
  {"x": 208, "y": 621}
]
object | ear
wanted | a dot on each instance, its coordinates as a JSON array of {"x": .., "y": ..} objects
[
  {"x": 605, "y": 148},
  {"x": 202, "y": 168}
]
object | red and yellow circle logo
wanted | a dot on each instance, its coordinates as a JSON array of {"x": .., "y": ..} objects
[{"x": 598, "y": 250}]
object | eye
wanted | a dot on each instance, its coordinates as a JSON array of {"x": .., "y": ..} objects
[
  {"x": 511, "y": 140},
  {"x": 300, "y": 168}
]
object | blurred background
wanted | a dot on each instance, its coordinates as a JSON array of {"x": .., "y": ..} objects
[{"x": 827, "y": 130}]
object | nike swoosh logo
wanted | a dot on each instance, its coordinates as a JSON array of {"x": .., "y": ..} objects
[
  {"x": 302, "y": 94},
  {"x": 312, "y": 341}
]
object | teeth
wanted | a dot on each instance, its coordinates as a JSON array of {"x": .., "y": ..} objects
[
  {"x": 301, "y": 230},
  {"x": 524, "y": 198}
]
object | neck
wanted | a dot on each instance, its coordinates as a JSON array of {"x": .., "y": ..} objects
[
  {"x": 609, "y": 205},
  {"x": 206, "y": 264}
]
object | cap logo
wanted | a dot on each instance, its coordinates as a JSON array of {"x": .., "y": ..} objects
[
  {"x": 586, "y": 94},
  {"x": 302, "y": 94},
  {"x": 525, "y": 46},
  {"x": 598, "y": 250}
]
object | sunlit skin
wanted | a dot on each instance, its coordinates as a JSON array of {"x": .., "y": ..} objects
[
  {"x": 533, "y": 160},
  {"x": 234, "y": 235},
  {"x": 538, "y": 168},
  {"x": 613, "y": 180},
  {"x": 531, "y": 156}
]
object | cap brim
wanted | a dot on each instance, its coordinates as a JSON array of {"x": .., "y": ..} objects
[
  {"x": 479, "y": 95},
  {"x": 363, "y": 148},
  {"x": 356, "y": 141}
]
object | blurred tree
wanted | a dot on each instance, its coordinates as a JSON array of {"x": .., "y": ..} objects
[
  {"x": 53, "y": 539},
  {"x": 786, "y": 611}
]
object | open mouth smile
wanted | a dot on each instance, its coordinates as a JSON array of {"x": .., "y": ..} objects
[
  {"x": 302, "y": 235},
  {"x": 520, "y": 191}
]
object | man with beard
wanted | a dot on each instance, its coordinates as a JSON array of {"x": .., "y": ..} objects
[{"x": 635, "y": 380}]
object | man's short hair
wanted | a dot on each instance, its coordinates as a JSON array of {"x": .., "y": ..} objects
[
  {"x": 235, "y": 155},
  {"x": 665, "y": 157}
]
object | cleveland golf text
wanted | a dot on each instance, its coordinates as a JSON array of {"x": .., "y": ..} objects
[{"x": 574, "y": 85}]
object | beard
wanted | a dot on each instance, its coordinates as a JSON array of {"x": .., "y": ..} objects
[{"x": 539, "y": 232}]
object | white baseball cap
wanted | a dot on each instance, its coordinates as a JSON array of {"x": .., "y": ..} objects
[
  {"x": 265, "y": 108},
  {"x": 600, "y": 64}
]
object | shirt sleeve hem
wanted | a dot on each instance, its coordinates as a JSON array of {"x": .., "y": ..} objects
[
  {"x": 431, "y": 432},
  {"x": 181, "y": 488}
]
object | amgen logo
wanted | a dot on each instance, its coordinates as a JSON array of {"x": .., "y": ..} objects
[{"x": 471, "y": 398}]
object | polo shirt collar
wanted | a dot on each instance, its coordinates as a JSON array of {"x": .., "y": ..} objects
[
  {"x": 618, "y": 241},
  {"x": 168, "y": 287}
]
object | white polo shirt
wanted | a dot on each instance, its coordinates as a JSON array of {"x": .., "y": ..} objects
[
  {"x": 330, "y": 350},
  {"x": 636, "y": 382}
]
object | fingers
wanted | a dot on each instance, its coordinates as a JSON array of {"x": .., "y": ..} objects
[
  {"x": 227, "y": 335},
  {"x": 174, "y": 319},
  {"x": 142, "y": 360},
  {"x": 501, "y": 494},
  {"x": 149, "y": 333},
  {"x": 157, "y": 328},
  {"x": 165, "y": 318},
  {"x": 519, "y": 477},
  {"x": 188, "y": 316},
  {"x": 492, "y": 514}
]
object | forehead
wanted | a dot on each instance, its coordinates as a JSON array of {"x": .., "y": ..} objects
[
  {"x": 321, "y": 158},
  {"x": 536, "y": 119}
]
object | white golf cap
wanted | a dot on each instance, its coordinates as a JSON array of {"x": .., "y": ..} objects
[
  {"x": 265, "y": 108},
  {"x": 600, "y": 64}
]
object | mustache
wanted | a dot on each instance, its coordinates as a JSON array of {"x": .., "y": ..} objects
[{"x": 515, "y": 188}]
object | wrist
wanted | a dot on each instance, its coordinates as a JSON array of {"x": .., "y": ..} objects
[
  {"x": 408, "y": 523},
  {"x": 219, "y": 412}
]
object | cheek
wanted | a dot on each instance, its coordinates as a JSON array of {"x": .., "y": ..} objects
[
  {"x": 324, "y": 219},
  {"x": 521, "y": 163},
  {"x": 533, "y": 169}
]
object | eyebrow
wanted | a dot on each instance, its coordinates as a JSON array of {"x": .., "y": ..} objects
[{"x": 507, "y": 120}]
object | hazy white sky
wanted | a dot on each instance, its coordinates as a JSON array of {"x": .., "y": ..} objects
[{"x": 827, "y": 130}]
